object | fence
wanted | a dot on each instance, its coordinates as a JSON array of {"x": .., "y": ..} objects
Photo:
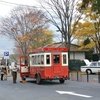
[{"x": 84, "y": 77}]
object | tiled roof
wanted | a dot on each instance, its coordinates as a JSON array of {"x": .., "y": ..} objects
[{"x": 73, "y": 47}]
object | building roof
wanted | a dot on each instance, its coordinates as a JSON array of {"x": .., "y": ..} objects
[{"x": 73, "y": 48}]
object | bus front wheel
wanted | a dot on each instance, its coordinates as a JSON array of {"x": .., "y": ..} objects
[
  {"x": 38, "y": 79},
  {"x": 61, "y": 80}
]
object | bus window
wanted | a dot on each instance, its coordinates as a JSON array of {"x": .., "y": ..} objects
[
  {"x": 24, "y": 61},
  {"x": 32, "y": 60},
  {"x": 42, "y": 59},
  {"x": 39, "y": 59},
  {"x": 64, "y": 59},
  {"x": 47, "y": 59},
  {"x": 56, "y": 59},
  {"x": 36, "y": 59}
]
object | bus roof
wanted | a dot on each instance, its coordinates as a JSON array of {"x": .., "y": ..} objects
[{"x": 46, "y": 49}]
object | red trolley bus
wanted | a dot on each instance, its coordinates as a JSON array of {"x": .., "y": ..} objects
[{"x": 45, "y": 64}]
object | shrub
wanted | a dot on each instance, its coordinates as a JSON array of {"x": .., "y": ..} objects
[{"x": 75, "y": 64}]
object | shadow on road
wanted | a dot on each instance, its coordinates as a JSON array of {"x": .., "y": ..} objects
[{"x": 45, "y": 82}]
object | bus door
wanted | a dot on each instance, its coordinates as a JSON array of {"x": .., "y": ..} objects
[
  {"x": 24, "y": 69},
  {"x": 56, "y": 63}
]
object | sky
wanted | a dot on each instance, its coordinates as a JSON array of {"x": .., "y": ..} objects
[
  {"x": 7, "y": 5},
  {"x": 6, "y": 44}
]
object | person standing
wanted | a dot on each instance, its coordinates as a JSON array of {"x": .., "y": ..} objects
[
  {"x": 2, "y": 71},
  {"x": 14, "y": 73},
  {"x": 6, "y": 73}
]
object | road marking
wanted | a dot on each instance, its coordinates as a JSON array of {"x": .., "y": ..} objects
[{"x": 73, "y": 93}]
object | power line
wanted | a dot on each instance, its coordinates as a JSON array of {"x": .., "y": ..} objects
[{"x": 16, "y": 4}]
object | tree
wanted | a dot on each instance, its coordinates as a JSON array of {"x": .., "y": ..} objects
[
  {"x": 13, "y": 58},
  {"x": 22, "y": 22},
  {"x": 95, "y": 4},
  {"x": 62, "y": 13},
  {"x": 41, "y": 39},
  {"x": 90, "y": 27},
  {"x": 36, "y": 40}
]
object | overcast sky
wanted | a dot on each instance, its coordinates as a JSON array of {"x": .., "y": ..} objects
[
  {"x": 7, "y": 5},
  {"x": 7, "y": 45}
]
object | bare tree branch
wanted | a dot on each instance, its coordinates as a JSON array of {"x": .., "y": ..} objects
[
  {"x": 62, "y": 13},
  {"x": 22, "y": 22}
]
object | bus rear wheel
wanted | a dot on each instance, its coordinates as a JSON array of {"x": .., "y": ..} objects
[
  {"x": 38, "y": 79},
  {"x": 61, "y": 80}
]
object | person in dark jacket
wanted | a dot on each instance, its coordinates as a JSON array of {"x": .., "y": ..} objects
[{"x": 3, "y": 69}]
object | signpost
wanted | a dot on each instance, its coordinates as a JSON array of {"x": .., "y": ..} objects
[{"x": 6, "y": 56}]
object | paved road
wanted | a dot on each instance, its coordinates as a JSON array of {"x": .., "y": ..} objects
[{"x": 49, "y": 90}]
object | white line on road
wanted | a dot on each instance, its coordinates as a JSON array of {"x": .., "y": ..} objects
[{"x": 73, "y": 93}]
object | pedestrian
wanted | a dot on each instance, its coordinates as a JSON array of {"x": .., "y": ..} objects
[
  {"x": 3, "y": 69},
  {"x": 6, "y": 72},
  {"x": 14, "y": 73}
]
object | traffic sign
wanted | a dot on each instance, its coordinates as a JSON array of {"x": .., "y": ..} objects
[
  {"x": 6, "y": 53},
  {"x": 6, "y": 57}
]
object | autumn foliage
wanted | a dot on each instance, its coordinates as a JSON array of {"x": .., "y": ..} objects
[{"x": 89, "y": 27}]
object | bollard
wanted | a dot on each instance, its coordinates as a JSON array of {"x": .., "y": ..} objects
[
  {"x": 87, "y": 77},
  {"x": 98, "y": 76},
  {"x": 68, "y": 75},
  {"x": 77, "y": 75}
]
